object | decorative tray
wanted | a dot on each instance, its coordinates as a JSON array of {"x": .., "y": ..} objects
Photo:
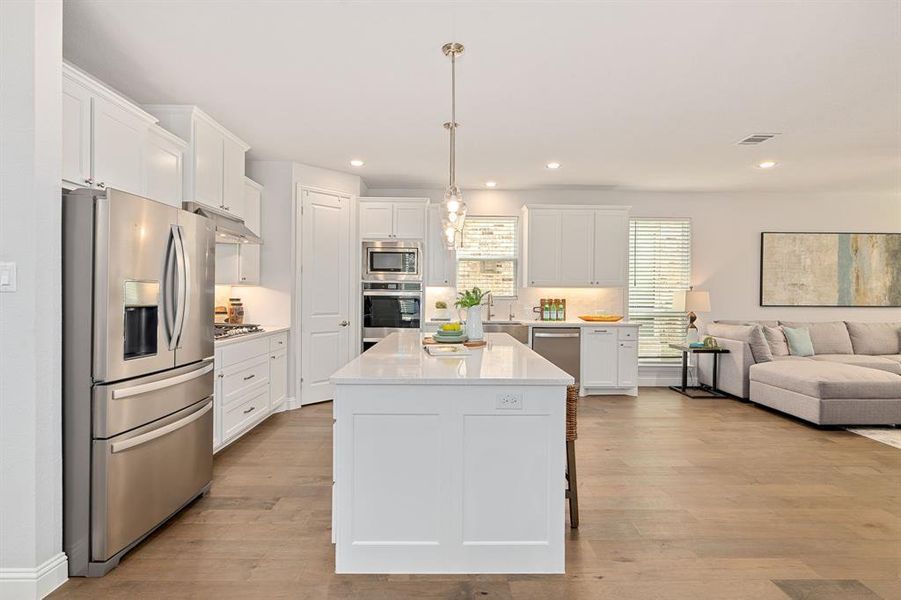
[{"x": 601, "y": 318}]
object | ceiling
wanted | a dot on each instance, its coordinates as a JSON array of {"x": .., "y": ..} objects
[{"x": 626, "y": 95}]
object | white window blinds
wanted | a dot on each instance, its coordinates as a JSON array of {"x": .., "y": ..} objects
[
  {"x": 659, "y": 265},
  {"x": 487, "y": 255}
]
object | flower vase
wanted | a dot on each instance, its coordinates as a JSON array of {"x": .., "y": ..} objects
[{"x": 474, "y": 330}]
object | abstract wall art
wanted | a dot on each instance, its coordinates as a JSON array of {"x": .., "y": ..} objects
[{"x": 830, "y": 269}]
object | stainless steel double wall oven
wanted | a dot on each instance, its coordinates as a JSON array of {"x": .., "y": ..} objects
[
  {"x": 391, "y": 289},
  {"x": 138, "y": 299}
]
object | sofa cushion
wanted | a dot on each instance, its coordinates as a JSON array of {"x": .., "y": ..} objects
[
  {"x": 752, "y": 334},
  {"x": 828, "y": 337},
  {"x": 875, "y": 338},
  {"x": 775, "y": 337},
  {"x": 799, "y": 342},
  {"x": 828, "y": 380},
  {"x": 894, "y": 357},
  {"x": 862, "y": 360}
]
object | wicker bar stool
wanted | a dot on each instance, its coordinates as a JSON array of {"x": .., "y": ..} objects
[{"x": 572, "y": 488}]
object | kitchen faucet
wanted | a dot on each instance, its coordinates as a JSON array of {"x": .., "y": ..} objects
[{"x": 490, "y": 306}]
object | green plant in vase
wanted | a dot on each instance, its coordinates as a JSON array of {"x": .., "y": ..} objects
[{"x": 471, "y": 300}]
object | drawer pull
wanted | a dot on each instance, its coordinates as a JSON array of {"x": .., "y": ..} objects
[
  {"x": 601, "y": 331},
  {"x": 250, "y": 410},
  {"x": 250, "y": 377}
]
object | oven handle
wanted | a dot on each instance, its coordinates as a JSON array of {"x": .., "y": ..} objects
[{"x": 397, "y": 294}]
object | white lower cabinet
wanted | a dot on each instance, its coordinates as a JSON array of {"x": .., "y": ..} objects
[
  {"x": 609, "y": 360},
  {"x": 278, "y": 373},
  {"x": 251, "y": 382}
]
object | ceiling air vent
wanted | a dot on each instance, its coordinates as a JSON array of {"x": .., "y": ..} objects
[{"x": 757, "y": 138}]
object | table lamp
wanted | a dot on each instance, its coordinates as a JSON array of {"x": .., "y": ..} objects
[{"x": 691, "y": 301}]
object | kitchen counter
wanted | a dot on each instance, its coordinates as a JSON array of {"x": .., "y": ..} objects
[
  {"x": 267, "y": 331},
  {"x": 399, "y": 359},
  {"x": 431, "y": 325},
  {"x": 581, "y": 323},
  {"x": 450, "y": 464}
]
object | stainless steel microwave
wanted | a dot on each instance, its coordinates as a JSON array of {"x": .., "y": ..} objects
[{"x": 392, "y": 261}]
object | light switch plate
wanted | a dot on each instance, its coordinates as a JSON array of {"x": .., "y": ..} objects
[{"x": 7, "y": 277}]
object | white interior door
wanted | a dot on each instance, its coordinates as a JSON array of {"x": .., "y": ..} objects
[{"x": 325, "y": 291}]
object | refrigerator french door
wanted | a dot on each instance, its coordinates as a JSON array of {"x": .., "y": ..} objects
[{"x": 138, "y": 291}]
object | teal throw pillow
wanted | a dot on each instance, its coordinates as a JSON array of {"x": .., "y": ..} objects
[{"x": 799, "y": 343}]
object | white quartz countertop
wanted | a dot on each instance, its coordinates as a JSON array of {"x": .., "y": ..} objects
[
  {"x": 581, "y": 323},
  {"x": 567, "y": 323},
  {"x": 267, "y": 331},
  {"x": 400, "y": 359}
]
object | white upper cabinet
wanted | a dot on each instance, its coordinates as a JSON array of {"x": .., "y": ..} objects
[
  {"x": 441, "y": 263},
  {"x": 118, "y": 147},
  {"x": 543, "y": 248},
  {"x": 376, "y": 220},
  {"x": 611, "y": 248},
  {"x": 164, "y": 166},
  {"x": 103, "y": 135},
  {"x": 239, "y": 264},
  {"x": 393, "y": 218},
  {"x": 233, "y": 178},
  {"x": 576, "y": 246},
  {"x": 209, "y": 166},
  {"x": 409, "y": 221},
  {"x": 252, "y": 204},
  {"x": 214, "y": 161},
  {"x": 76, "y": 165}
]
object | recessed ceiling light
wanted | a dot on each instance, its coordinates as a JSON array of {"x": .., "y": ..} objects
[
  {"x": 491, "y": 184},
  {"x": 357, "y": 163},
  {"x": 553, "y": 165},
  {"x": 767, "y": 164}
]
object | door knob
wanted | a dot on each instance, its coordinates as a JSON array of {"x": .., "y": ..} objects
[{"x": 344, "y": 323}]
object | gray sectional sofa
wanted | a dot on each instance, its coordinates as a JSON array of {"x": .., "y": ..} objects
[{"x": 852, "y": 378}]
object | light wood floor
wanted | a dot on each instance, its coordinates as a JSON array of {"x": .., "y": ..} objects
[{"x": 681, "y": 499}]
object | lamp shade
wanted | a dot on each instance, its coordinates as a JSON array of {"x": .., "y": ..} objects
[{"x": 691, "y": 301}]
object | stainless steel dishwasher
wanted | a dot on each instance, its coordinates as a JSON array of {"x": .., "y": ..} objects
[{"x": 560, "y": 345}]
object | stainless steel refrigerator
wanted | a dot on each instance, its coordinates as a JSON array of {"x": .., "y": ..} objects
[{"x": 138, "y": 295}]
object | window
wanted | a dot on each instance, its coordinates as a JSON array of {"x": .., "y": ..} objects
[
  {"x": 659, "y": 265},
  {"x": 487, "y": 254}
]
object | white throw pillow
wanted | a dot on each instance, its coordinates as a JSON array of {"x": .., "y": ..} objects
[{"x": 775, "y": 337}]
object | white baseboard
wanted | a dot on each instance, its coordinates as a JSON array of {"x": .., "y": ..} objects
[
  {"x": 660, "y": 375},
  {"x": 288, "y": 404},
  {"x": 36, "y": 583}
]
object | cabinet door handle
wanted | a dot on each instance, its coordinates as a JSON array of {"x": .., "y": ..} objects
[
  {"x": 101, "y": 185},
  {"x": 250, "y": 377},
  {"x": 249, "y": 410},
  {"x": 89, "y": 181}
]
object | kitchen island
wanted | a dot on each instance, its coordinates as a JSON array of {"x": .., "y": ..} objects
[{"x": 449, "y": 465}]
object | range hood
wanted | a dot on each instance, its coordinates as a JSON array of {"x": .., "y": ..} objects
[{"x": 229, "y": 228}]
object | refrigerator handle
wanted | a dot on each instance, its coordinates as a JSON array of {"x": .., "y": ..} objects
[
  {"x": 170, "y": 286},
  {"x": 187, "y": 283},
  {"x": 181, "y": 292}
]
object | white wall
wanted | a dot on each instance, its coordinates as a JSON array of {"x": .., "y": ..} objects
[
  {"x": 726, "y": 231},
  {"x": 31, "y": 558},
  {"x": 274, "y": 301}
]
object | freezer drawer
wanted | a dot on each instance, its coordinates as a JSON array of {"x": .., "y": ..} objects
[
  {"x": 123, "y": 406},
  {"x": 142, "y": 477}
]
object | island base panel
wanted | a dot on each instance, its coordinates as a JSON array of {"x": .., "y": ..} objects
[{"x": 450, "y": 479}]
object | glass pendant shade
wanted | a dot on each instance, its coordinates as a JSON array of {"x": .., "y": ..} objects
[{"x": 455, "y": 208}]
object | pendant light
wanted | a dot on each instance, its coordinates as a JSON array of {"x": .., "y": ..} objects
[{"x": 454, "y": 206}]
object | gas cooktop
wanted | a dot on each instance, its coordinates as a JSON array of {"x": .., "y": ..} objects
[{"x": 227, "y": 330}]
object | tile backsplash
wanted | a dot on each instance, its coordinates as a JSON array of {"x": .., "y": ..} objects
[{"x": 579, "y": 301}]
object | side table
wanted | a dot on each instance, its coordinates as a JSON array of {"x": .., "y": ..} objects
[{"x": 700, "y": 390}]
